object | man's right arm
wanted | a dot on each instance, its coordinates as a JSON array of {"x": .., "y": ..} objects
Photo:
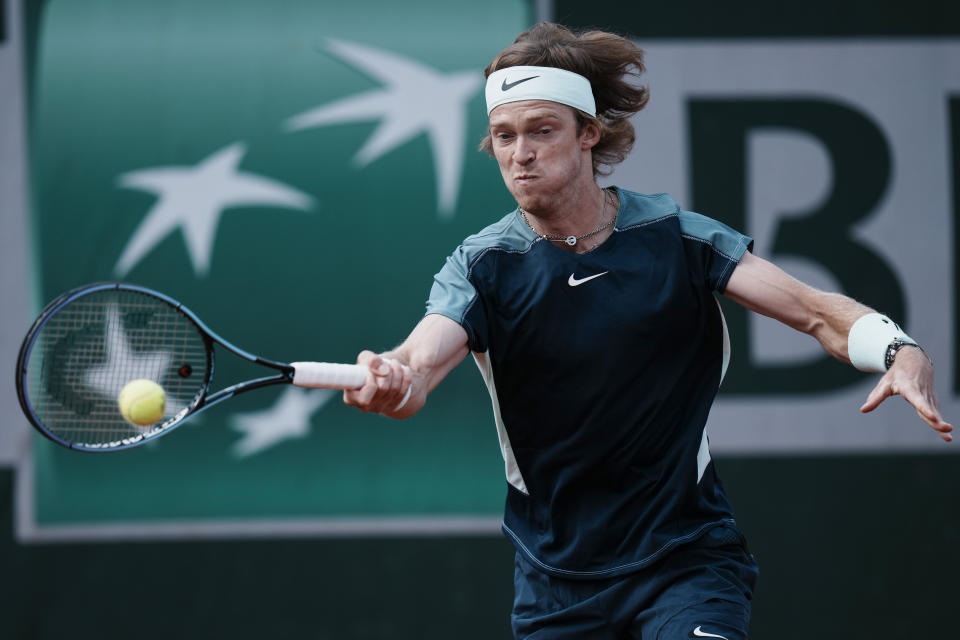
[{"x": 435, "y": 346}]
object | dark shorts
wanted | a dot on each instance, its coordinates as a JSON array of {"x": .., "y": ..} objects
[{"x": 699, "y": 590}]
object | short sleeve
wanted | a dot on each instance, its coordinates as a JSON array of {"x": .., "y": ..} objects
[
  {"x": 454, "y": 296},
  {"x": 714, "y": 247}
]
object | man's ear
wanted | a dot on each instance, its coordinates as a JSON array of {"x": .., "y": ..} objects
[{"x": 590, "y": 136}]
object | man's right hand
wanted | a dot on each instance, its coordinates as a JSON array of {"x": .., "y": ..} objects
[
  {"x": 387, "y": 384},
  {"x": 436, "y": 345}
]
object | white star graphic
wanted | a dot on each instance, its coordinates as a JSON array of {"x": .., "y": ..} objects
[
  {"x": 193, "y": 198},
  {"x": 123, "y": 363},
  {"x": 288, "y": 418},
  {"x": 415, "y": 99}
]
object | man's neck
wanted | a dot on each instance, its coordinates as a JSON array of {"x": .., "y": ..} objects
[
  {"x": 578, "y": 231},
  {"x": 573, "y": 215}
]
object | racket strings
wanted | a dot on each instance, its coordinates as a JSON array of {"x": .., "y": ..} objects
[{"x": 91, "y": 348}]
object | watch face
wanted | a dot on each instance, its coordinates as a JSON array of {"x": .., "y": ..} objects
[{"x": 895, "y": 345}]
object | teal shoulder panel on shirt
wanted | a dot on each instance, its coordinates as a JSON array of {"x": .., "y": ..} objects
[
  {"x": 508, "y": 234},
  {"x": 714, "y": 246},
  {"x": 732, "y": 244},
  {"x": 645, "y": 208},
  {"x": 640, "y": 208},
  {"x": 452, "y": 293}
]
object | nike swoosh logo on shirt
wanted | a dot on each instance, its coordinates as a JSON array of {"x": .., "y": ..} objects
[
  {"x": 573, "y": 282},
  {"x": 703, "y": 634},
  {"x": 506, "y": 86}
]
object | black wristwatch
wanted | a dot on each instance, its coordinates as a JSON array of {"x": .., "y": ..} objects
[{"x": 893, "y": 347}]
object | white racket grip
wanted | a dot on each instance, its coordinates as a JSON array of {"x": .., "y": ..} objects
[{"x": 329, "y": 375}]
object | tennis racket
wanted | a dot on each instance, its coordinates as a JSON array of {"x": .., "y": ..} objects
[{"x": 90, "y": 342}]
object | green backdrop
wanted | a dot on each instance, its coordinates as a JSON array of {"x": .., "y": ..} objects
[{"x": 129, "y": 94}]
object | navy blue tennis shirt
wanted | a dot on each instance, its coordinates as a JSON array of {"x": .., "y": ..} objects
[{"x": 602, "y": 368}]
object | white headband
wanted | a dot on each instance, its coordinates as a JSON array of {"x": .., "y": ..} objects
[{"x": 513, "y": 84}]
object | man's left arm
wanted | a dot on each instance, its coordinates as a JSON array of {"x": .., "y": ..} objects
[{"x": 764, "y": 288}]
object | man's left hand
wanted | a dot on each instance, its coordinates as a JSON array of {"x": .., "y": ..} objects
[{"x": 911, "y": 377}]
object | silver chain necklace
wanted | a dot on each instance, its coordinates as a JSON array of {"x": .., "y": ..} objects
[{"x": 572, "y": 240}]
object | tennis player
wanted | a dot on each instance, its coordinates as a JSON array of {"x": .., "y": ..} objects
[{"x": 591, "y": 314}]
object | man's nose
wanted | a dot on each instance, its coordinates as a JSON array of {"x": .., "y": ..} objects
[{"x": 523, "y": 151}]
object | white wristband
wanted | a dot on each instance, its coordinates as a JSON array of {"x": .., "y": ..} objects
[{"x": 868, "y": 340}]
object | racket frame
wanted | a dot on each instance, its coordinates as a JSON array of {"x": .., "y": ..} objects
[{"x": 204, "y": 399}]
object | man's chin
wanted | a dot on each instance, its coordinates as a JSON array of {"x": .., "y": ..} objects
[{"x": 527, "y": 200}]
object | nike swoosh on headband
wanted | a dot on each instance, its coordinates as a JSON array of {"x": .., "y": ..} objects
[
  {"x": 506, "y": 86},
  {"x": 539, "y": 83}
]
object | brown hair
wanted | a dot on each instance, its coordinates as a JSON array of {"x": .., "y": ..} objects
[{"x": 607, "y": 60}]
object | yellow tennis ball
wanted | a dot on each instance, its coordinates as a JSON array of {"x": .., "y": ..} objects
[{"x": 142, "y": 402}]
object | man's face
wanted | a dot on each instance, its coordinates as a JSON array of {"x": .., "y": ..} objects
[{"x": 542, "y": 158}]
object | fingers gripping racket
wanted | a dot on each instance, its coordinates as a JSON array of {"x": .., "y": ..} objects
[{"x": 90, "y": 342}]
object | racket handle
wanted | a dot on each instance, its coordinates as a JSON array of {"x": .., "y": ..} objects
[{"x": 329, "y": 375}]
